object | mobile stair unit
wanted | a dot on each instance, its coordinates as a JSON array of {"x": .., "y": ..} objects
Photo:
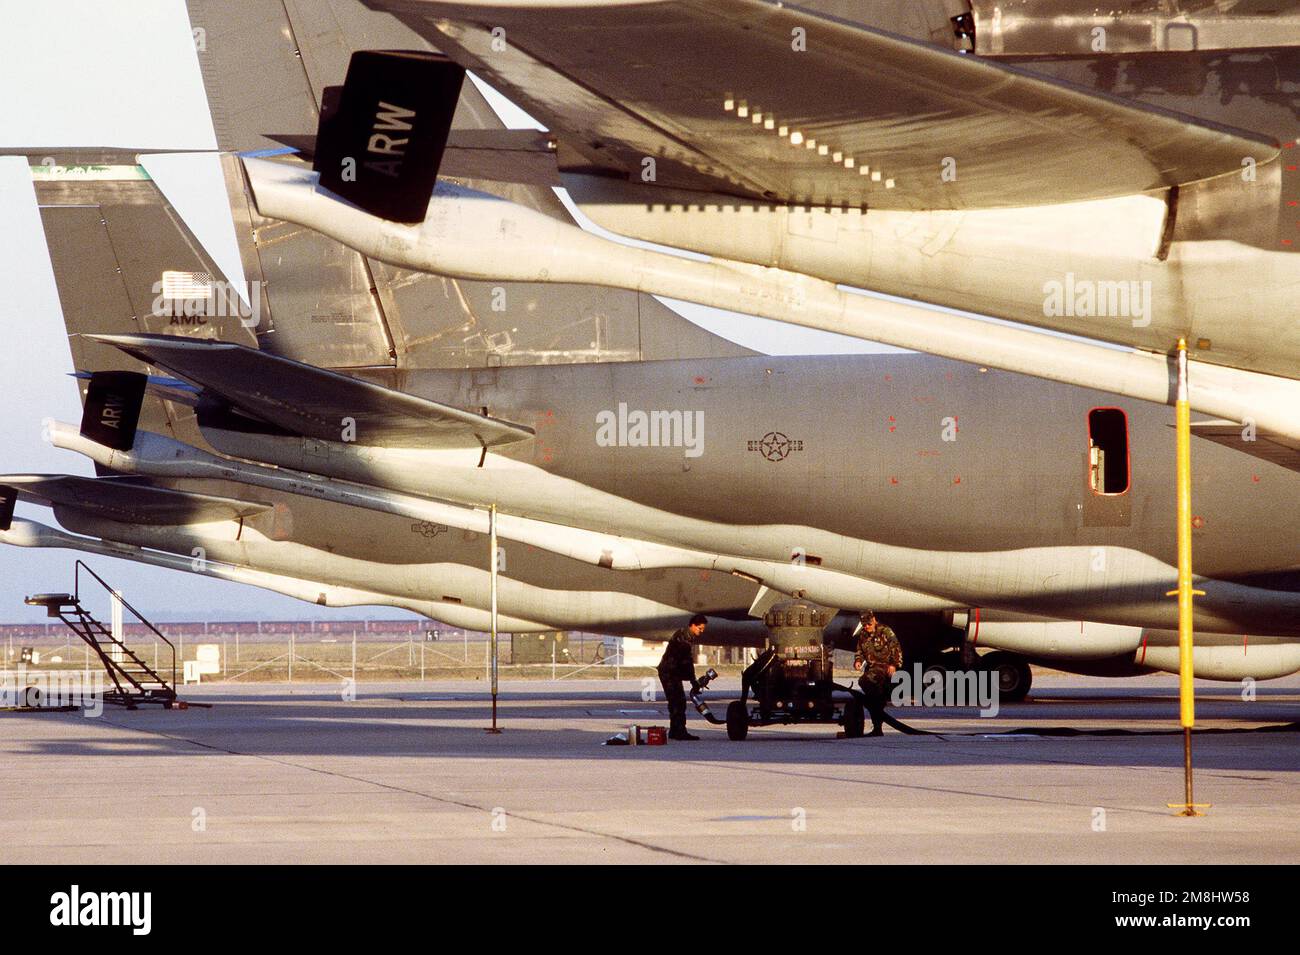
[{"x": 131, "y": 681}]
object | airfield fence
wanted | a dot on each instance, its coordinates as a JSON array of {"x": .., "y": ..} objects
[{"x": 308, "y": 651}]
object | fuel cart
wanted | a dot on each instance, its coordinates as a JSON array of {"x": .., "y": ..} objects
[{"x": 793, "y": 679}]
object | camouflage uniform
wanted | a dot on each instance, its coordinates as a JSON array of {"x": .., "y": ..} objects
[
  {"x": 875, "y": 653},
  {"x": 678, "y": 664}
]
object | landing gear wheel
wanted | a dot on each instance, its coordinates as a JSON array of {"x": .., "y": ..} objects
[
  {"x": 951, "y": 662},
  {"x": 737, "y": 720},
  {"x": 943, "y": 664},
  {"x": 854, "y": 719},
  {"x": 1013, "y": 673}
]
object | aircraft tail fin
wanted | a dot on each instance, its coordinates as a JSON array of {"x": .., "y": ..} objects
[
  {"x": 170, "y": 244},
  {"x": 126, "y": 260},
  {"x": 329, "y": 306}
]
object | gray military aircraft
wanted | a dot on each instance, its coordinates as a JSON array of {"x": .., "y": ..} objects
[
  {"x": 1125, "y": 174},
  {"x": 1035, "y": 501},
  {"x": 907, "y": 483}
]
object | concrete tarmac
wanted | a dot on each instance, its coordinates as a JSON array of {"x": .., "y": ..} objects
[{"x": 406, "y": 773}]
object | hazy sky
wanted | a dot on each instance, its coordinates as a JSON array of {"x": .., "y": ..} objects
[{"x": 90, "y": 73}]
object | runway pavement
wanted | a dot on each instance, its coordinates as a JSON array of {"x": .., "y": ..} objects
[{"x": 406, "y": 773}]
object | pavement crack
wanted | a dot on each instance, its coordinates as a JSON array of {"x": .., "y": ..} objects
[{"x": 567, "y": 827}]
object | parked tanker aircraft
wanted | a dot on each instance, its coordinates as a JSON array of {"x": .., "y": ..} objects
[
  {"x": 1125, "y": 175},
  {"x": 618, "y": 515},
  {"x": 354, "y": 466}
]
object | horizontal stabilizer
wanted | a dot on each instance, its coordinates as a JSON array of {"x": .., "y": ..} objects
[
  {"x": 381, "y": 145},
  {"x": 723, "y": 100},
  {"x": 1265, "y": 445},
  {"x": 521, "y": 156},
  {"x": 165, "y": 389},
  {"x": 315, "y": 402},
  {"x": 128, "y": 500}
]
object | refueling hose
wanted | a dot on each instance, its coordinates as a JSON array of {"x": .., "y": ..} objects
[
  {"x": 703, "y": 708},
  {"x": 903, "y": 728}
]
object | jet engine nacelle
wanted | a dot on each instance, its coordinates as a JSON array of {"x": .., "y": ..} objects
[
  {"x": 1220, "y": 657},
  {"x": 1076, "y": 645},
  {"x": 1056, "y": 639}
]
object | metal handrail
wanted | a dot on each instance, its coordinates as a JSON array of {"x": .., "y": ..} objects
[{"x": 76, "y": 594}]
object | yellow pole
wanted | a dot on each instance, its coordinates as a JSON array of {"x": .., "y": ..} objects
[
  {"x": 493, "y": 569},
  {"x": 1185, "y": 591},
  {"x": 1183, "y": 426}
]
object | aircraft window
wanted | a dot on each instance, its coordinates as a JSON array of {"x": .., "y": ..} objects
[{"x": 1108, "y": 471}]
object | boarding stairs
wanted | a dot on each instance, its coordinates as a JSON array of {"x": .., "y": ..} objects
[{"x": 131, "y": 681}]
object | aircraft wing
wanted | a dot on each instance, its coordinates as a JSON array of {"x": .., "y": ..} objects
[
  {"x": 314, "y": 402},
  {"x": 128, "y": 499},
  {"x": 755, "y": 98}
]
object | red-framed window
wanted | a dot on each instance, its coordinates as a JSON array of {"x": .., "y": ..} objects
[{"x": 1108, "y": 451}]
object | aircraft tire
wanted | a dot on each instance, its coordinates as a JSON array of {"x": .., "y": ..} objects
[
  {"x": 1013, "y": 672},
  {"x": 943, "y": 664},
  {"x": 854, "y": 719},
  {"x": 737, "y": 720}
]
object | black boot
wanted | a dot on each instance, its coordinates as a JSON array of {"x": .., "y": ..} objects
[{"x": 876, "y": 730}]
